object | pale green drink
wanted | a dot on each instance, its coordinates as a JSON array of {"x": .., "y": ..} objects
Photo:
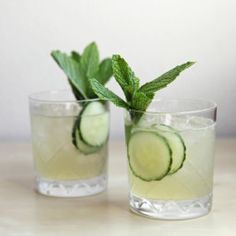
[
  {"x": 170, "y": 159},
  {"x": 55, "y": 156},
  {"x": 70, "y": 144}
]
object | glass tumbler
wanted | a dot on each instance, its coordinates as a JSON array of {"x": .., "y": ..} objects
[
  {"x": 70, "y": 144},
  {"x": 170, "y": 150}
]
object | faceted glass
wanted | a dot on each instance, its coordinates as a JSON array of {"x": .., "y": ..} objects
[
  {"x": 61, "y": 168},
  {"x": 170, "y": 151}
]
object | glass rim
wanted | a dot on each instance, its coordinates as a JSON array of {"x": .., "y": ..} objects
[
  {"x": 212, "y": 106},
  {"x": 33, "y": 97}
]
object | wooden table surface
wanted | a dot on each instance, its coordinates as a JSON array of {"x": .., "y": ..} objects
[{"x": 23, "y": 212}]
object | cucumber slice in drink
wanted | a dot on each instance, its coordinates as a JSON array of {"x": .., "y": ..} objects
[
  {"x": 83, "y": 147},
  {"x": 79, "y": 143},
  {"x": 94, "y": 124},
  {"x": 150, "y": 156},
  {"x": 91, "y": 129},
  {"x": 177, "y": 146}
]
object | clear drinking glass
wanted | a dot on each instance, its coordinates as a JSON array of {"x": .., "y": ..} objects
[
  {"x": 66, "y": 165},
  {"x": 170, "y": 153}
]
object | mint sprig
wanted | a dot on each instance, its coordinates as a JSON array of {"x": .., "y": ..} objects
[
  {"x": 165, "y": 79},
  {"x": 72, "y": 70},
  {"x": 79, "y": 68},
  {"x": 104, "y": 72},
  {"x": 137, "y": 98},
  {"x": 89, "y": 61},
  {"x": 124, "y": 76},
  {"x": 76, "y": 56},
  {"x": 106, "y": 94}
]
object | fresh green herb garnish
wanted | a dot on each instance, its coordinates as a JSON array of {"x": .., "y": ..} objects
[
  {"x": 80, "y": 68},
  {"x": 137, "y": 98}
]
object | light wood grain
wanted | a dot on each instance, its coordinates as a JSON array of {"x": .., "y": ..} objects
[{"x": 23, "y": 212}]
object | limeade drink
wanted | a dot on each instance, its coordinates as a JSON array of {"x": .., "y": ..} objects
[
  {"x": 191, "y": 143},
  {"x": 170, "y": 162},
  {"x": 55, "y": 156},
  {"x": 70, "y": 144}
]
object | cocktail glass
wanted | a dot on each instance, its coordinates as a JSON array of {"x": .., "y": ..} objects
[
  {"x": 170, "y": 150},
  {"x": 66, "y": 165}
]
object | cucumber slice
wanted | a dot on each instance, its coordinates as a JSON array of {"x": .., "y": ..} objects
[
  {"x": 94, "y": 124},
  {"x": 177, "y": 146},
  {"x": 78, "y": 142},
  {"x": 150, "y": 156}
]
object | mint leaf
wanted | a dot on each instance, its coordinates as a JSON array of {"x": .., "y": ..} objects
[
  {"x": 75, "y": 91},
  {"x": 72, "y": 69},
  {"x": 124, "y": 76},
  {"x": 106, "y": 94},
  {"x": 139, "y": 104},
  {"x": 89, "y": 61},
  {"x": 165, "y": 79},
  {"x": 141, "y": 101},
  {"x": 76, "y": 56},
  {"x": 105, "y": 71}
]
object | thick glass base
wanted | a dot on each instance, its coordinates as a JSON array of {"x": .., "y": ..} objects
[
  {"x": 75, "y": 188},
  {"x": 171, "y": 210}
]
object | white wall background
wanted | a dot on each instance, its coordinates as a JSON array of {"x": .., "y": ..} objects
[{"x": 153, "y": 35}]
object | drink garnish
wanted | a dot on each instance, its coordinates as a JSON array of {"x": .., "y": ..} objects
[
  {"x": 90, "y": 129},
  {"x": 137, "y": 98}
]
